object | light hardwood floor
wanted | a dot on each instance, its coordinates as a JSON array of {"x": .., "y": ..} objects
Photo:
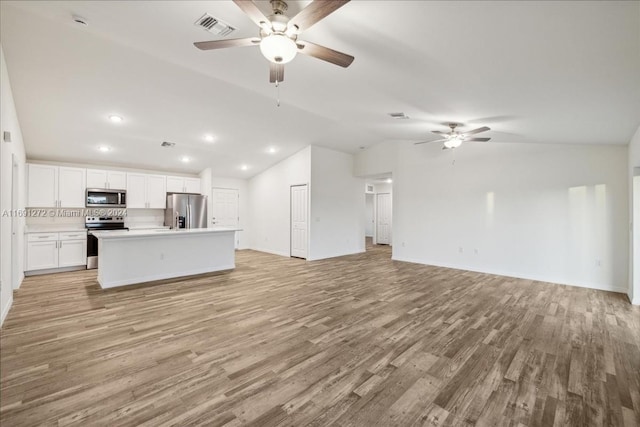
[{"x": 352, "y": 341}]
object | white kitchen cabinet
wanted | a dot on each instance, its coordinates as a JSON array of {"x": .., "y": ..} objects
[
  {"x": 98, "y": 178},
  {"x": 72, "y": 253},
  {"x": 156, "y": 192},
  {"x": 42, "y": 251},
  {"x": 55, "y": 186},
  {"x": 71, "y": 187},
  {"x": 56, "y": 250},
  {"x": 42, "y": 181},
  {"x": 179, "y": 184},
  {"x": 146, "y": 191},
  {"x": 192, "y": 185},
  {"x": 117, "y": 180},
  {"x": 175, "y": 184}
]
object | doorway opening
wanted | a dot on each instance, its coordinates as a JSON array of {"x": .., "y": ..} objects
[{"x": 378, "y": 211}]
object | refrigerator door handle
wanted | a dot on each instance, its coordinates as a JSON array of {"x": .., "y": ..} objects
[{"x": 188, "y": 216}]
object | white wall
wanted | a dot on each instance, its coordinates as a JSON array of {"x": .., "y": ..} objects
[
  {"x": 269, "y": 194},
  {"x": 337, "y": 224},
  {"x": 634, "y": 212},
  {"x": 8, "y": 256},
  {"x": 545, "y": 212}
]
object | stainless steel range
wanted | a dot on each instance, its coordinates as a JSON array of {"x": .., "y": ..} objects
[{"x": 94, "y": 223}]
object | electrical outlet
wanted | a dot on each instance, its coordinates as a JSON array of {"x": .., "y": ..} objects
[
  {"x": 475, "y": 251},
  {"x": 460, "y": 250},
  {"x": 403, "y": 244},
  {"x": 598, "y": 263}
]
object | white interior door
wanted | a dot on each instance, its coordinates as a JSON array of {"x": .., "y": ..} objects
[
  {"x": 383, "y": 219},
  {"x": 369, "y": 216},
  {"x": 225, "y": 211},
  {"x": 299, "y": 221}
]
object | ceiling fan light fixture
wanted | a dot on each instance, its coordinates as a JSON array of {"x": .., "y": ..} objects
[
  {"x": 453, "y": 142},
  {"x": 278, "y": 48}
]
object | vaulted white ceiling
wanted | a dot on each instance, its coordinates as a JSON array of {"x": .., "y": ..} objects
[{"x": 548, "y": 72}]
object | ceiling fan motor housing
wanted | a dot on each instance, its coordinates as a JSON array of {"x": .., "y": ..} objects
[{"x": 279, "y": 7}]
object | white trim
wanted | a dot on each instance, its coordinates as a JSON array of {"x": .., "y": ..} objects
[
  {"x": 6, "y": 310},
  {"x": 635, "y": 301},
  {"x": 269, "y": 251},
  {"x": 336, "y": 256},
  {"x": 591, "y": 285},
  {"x": 163, "y": 276},
  {"x": 54, "y": 270}
]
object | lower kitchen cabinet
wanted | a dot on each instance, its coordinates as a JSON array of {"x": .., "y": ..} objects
[{"x": 46, "y": 251}]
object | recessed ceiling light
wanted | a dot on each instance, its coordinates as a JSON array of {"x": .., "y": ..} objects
[
  {"x": 389, "y": 180},
  {"x": 271, "y": 150},
  {"x": 185, "y": 159},
  {"x": 244, "y": 167},
  {"x": 208, "y": 138},
  {"x": 115, "y": 119},
  {"x": 104, "y": 148}
]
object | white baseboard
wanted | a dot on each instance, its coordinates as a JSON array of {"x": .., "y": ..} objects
[
  {"x": 269, "y": 251},
  {"x": 516, "y": 275},
  {"x": 335, "y": 256},
  {"x": 636, "y": 300},
  {"x": 5, "y": 311},
  {"x": 54, "y": 270}
]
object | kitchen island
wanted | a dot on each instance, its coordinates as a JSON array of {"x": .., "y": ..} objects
[{"x": 138, "y": 256}]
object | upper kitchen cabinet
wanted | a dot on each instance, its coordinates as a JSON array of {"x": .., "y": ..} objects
[
  {"x": 55, "y": 186},
  {"x": 115, "y": 180},
  {"x": 179, "y": 184},
  {"x": 146, "y": 191}
]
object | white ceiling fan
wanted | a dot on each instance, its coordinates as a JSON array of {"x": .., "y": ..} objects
[
  {"x": 454, "y": 138},
  {"x": 278, "y": 38}
]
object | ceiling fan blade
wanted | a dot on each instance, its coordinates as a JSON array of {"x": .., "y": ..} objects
[
  {"x": 473, "y": 132},
  {"x": 439, "y": 132},
  {"x": 477, "y": 139},
  {"x": 252, "y": 11},
  {"x": 221, "y": 44},
  {"x": 317, "y": 10},
  {"x": 276, "y": 72},
  {"x": 427, "y": 142},
  {"x": 324, "y": 53}
]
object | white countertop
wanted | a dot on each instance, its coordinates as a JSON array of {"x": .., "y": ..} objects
[
  {"x": 145, "y": 226},
  {"x": 50, "y": 228},
  {"x": 123, "y": 234}
]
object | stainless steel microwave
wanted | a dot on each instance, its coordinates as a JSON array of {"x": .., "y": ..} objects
[{"x": 105, "y": 198}]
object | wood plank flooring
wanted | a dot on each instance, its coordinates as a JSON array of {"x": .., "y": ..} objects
[{"x": 353, "y": 341}]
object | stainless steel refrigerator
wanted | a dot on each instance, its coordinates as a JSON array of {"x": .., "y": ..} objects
[{"x": 186, "y": 211}]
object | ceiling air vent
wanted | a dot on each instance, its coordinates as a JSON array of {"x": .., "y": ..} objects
[
  {"x": 398, "y": 115},
  {"x": 214, "y": 25},
  {"x": 167, "y": 144}
]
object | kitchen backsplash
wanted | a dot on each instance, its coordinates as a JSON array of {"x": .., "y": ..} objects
[
  {"x": 144, "y": 217},
  {"x": 134, "y": 217}
]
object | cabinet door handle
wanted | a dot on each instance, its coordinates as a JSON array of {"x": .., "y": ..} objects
[{"x": 60, "y": 244}]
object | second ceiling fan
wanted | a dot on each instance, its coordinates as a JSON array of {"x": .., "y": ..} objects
[
  {"x": 278, "y": 38},
  {"x": 454, "y": 139}
]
